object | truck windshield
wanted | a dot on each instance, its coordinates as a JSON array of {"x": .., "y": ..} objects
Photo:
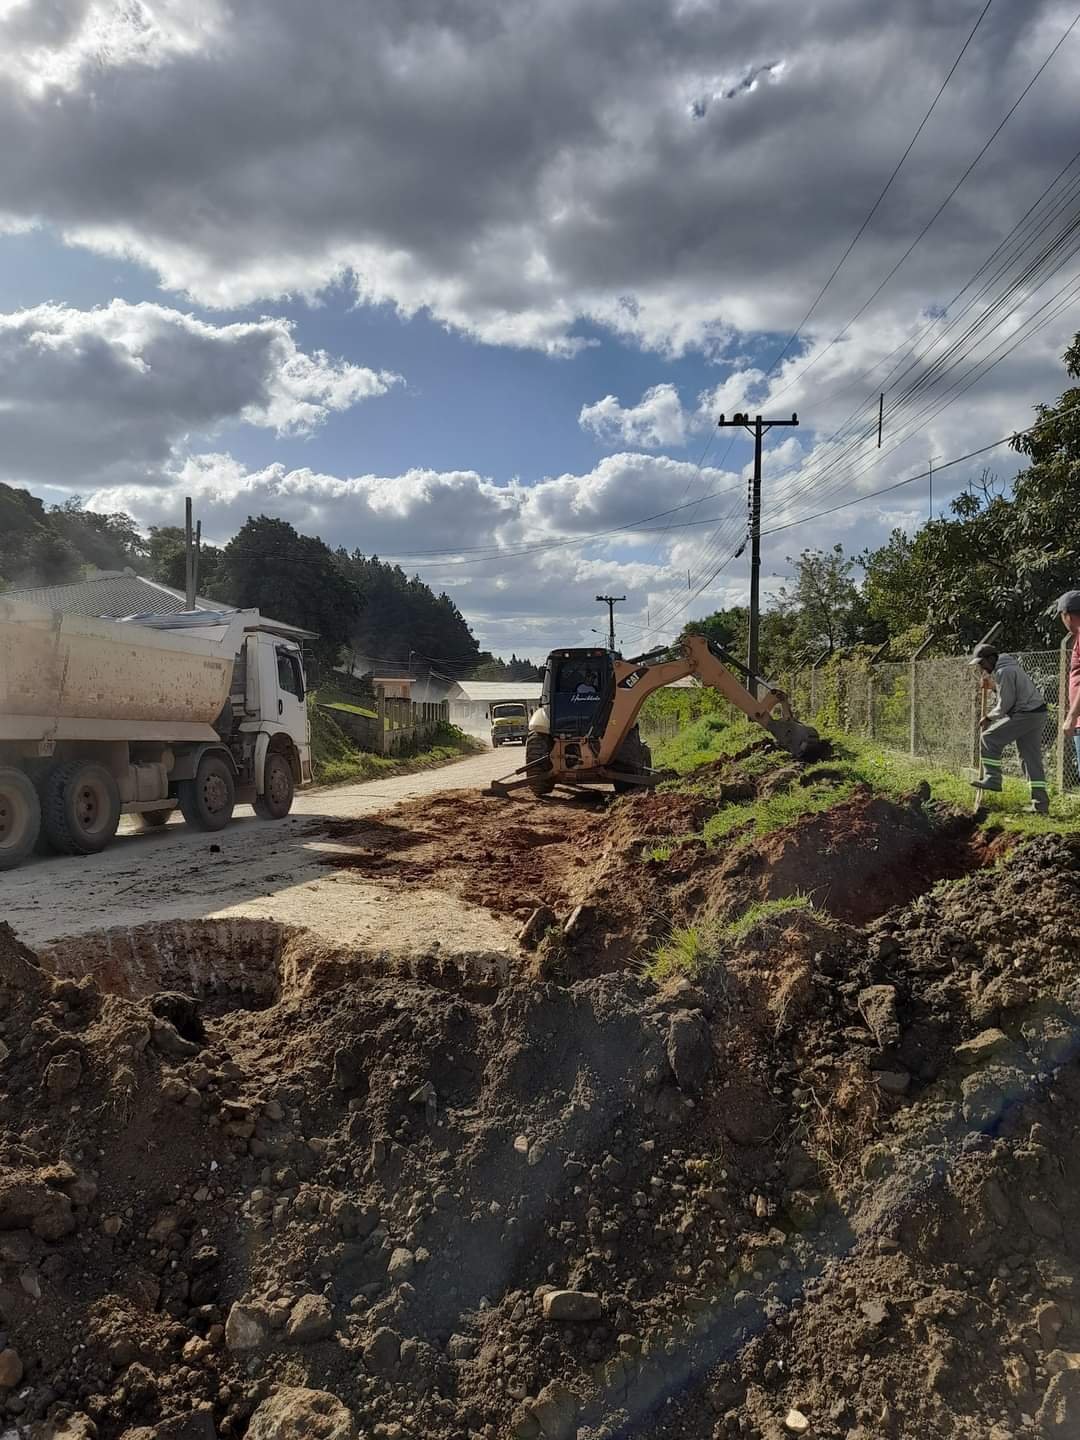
[{"x": 507, "y": 712}]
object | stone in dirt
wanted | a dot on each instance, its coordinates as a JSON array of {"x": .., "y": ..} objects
[
  {"x": 402, "y": 1264},
  {"x": 986, "y": 1046},
  {"x": 577, "y": 1305},
  {"x": 796, "y": 1423},
  {"x": 555, "y": 1410},
  {"x": 62, "y": 1075},
  {"x": 311, "y": 1319},
  {"x": 247, "y": 1327},
  {"x": 689, "y": 1049},
  {"x": 294, "y": 1413},
  {"x": 11, "y": 1368},
  {"x": 877, "y": 1005},
  {"x": 382, "y": 1351},
  {"x": 198, "y": 1425},
  {"x": 1058, "y": 1416}
]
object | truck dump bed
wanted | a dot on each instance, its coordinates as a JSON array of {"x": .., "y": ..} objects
[{"x": 66, "y": 677}]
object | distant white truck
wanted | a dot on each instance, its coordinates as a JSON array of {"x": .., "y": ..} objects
[{"x": 103, "y": 718}]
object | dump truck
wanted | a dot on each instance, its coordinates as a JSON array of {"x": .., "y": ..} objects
[
  {"x": 143, "y": 716},
  {"x": 509, "y": 722}
]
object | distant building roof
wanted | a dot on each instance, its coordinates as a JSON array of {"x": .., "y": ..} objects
[
  {"x": 492, "y": 691},
  {"x": 117, "y": 594},
  {"x": 111, "y": 593}
]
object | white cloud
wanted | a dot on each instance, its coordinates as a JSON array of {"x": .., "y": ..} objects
[
  {"x": 96, "y": 395},
  {"x": 679, "y": 173},
  {"x": 657, "y": 419}
]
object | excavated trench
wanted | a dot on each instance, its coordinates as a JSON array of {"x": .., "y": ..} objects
[{"x": 243, "y": 964}]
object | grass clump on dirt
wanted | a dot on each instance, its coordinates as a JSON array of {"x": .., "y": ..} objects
[
  {"x": 766, "y": 912},
  {"x": 689, "y": 950},
  {"x": 773, "y": 812},
  {"x": 336, "y": 760}
]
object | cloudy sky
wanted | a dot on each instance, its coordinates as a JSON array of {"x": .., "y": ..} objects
[{"x": 468, "y": 283}]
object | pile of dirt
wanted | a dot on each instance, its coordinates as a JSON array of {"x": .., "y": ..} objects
[
  {"x": 829, "y": 1188},
  {"x": 625, "y": 873}
]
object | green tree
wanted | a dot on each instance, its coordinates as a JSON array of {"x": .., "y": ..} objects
[
  {"x": 166, "y": 559},
  {"x": 824, "y": 601},
  {"x": 268, "y": 565}
]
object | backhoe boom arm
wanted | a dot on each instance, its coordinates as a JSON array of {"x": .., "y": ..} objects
[{"x": 635, "y": 681}]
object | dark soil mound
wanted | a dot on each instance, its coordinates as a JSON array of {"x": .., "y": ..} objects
[{"x": 831, "y": 1189}]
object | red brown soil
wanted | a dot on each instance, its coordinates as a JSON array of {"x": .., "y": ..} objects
[{"x": 855, "y": 861}]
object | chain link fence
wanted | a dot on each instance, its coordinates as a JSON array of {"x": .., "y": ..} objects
[{"x": 930, "y": 708}]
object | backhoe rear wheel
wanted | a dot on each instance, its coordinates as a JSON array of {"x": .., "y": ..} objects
[
  {"x": 635, "y": 758},
  {"x": 538, "y": 763}
]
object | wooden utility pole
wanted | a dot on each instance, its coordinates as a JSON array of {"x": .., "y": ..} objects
[
  {"x": 611, "y": 601},
  {"x": 757, "y": 427}
]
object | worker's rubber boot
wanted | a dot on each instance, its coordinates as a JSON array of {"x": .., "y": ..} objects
[
  {"x": 1038, "y": 807},
  {"x": 989, "y": 787}
]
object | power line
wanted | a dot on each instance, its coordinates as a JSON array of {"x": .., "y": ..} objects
[
  {"x": 933, "y": 218},
  {"x": 885, "y": 190}
]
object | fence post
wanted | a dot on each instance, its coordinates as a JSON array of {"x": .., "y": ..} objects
[
  {"x": 1060, "y": 740},
  {"x": 912, "y": 686},
  {"x": 870, "y": 703},
  {"x": 380, "y": 719}
]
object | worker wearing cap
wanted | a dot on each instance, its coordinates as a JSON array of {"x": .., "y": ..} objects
[
  {"x": 1068, "y": 607},
  {"x": 1016, "y": 717}
]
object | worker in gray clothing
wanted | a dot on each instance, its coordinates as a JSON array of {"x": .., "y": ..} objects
[{"x": 1016, "y": 717}]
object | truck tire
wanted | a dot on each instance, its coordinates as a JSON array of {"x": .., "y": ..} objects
[
  {"x": 20, "y": 817},
  {"x": 276, "y": 800},
  {"x": 80, "y": 808},
  {"x": 538, "y": 761},
  {"x": 207, "y": 802}
]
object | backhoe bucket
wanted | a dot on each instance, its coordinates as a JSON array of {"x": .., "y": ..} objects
[{"x": 802, "y": 741}]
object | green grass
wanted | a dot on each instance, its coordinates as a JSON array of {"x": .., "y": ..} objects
[
  {"x": 689, "y": 950},
  {"x": 764, "y": 912},
  {"x": 773, "y": 812},
  {"x": 336, "y": 761},
  {"x": 856, "y": 762},
  {"x": 702, "y": 741},
  {"x": 694, "y": 950},
  {"x": 349, "y": 709}
]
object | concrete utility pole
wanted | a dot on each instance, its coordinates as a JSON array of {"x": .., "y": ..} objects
[
  {"x": 189, "y": 559},
  {"x": 757, "y": 427},
  {"x": 611, "y": 601}
]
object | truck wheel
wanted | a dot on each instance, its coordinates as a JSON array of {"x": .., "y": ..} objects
[
  {"x": 20, "y": 817},
  {"x": 276, "y": 800},
  {"x": 80, "y": 808},
  {"x": 207, "y": 802},
  {"x": 538, "y": 762}
]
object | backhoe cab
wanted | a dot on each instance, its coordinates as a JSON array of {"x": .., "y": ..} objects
[{"x": 585, "y": 731}]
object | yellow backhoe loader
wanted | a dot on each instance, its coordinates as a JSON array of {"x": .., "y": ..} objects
[{"x": 585, "y": 731}]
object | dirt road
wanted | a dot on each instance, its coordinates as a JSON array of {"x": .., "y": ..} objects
[{"x": 257, "y": 869}]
